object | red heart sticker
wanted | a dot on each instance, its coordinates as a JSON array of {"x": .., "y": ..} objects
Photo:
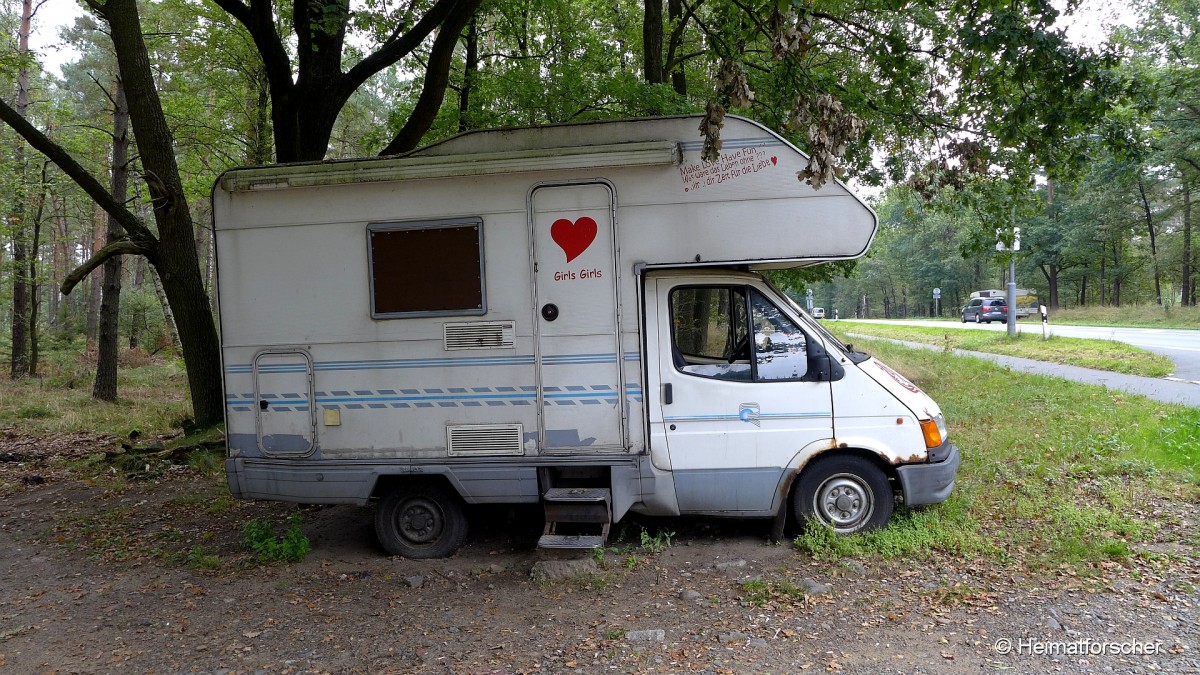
[
  {"x": 774, "y": 160},
  {"x": 574, "y": 238}
]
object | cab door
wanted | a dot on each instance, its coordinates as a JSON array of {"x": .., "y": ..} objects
[{"x": 738, "y": 401}]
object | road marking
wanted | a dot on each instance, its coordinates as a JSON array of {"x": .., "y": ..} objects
[{"x": 1177, "y": 379}]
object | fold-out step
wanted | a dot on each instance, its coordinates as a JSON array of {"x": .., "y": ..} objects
[{"x": 576, "y": 518}]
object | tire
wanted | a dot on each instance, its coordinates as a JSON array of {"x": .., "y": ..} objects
[
  {"x": 978, "y": 319},
  {"x": 844, "y": 493},
  {"x": 420, "y": 521},
  {"x": 963, "y": 318}
]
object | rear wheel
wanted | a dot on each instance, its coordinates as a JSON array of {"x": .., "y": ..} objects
[
  {"x": 420, "y": 520},
  {"x": 844, "y": 493}
]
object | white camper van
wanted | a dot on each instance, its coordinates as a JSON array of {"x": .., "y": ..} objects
[{"x": 567, "y": 315}]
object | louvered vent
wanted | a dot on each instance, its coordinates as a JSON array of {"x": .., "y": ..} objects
[
  {"x": 474, "y": 440},
  {"x": 479, "y": 335}
]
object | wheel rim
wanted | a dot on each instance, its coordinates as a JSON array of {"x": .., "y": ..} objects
[
  {"x": 844, "y": 502},
  {"x": 420, "y": 521}
]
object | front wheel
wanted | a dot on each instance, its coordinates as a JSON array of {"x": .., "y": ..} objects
[
  {"x": 844, "y": 493},
  {"x": 420, "y": 521}
]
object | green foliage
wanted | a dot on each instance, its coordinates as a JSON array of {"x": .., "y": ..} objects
[
  {"x": 203, "y": 558},
  {"x": 258, "y": 536},
  {"x": 656, "y": 542}
]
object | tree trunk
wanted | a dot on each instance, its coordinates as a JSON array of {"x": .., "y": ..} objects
[
  {"x": 34, "y": 287},
  {"x": 93, "y": 291},
  {"x": 260, "y": 150},
  {"x": 470, "y": 72},
  {"x": 20, "y": 251},
  {"x": 1189, "y": 288},
  {"x": 1153, "y": 246},
  {"x": 168, "y": 316},
  {"x": 652, "y": 42},
  {"x": 175, "y": 258},
  {"x": 1050, "y": 272},
  {"x": 137, "y": 323},
  {"x": 108, "y": 349},
  {"x": 678, "y": 77}
]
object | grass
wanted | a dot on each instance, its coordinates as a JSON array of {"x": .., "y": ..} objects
[
  {"x": 152, "y": 398},
  {"x": 1136, "y": 316},
  {"x": 1055, "y": 474},
  {"x": 1109, "y": 355}
]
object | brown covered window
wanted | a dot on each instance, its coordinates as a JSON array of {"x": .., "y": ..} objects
[{"x": 426, "y": 268}]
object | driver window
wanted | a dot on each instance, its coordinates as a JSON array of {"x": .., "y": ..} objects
[
  {"x": 710, "y": 331},
  {"x": 780, "y": 349}
]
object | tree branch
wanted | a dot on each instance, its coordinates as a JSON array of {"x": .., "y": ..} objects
[
  {"x": 138, "y": 232},
  {"x": 437, "y": 75},
  {"x": 116, "y": 248},
  {"x": 395, "y": 50}
]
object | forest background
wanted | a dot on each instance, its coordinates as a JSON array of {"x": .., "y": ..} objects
[{"x": 963, "y": 120}]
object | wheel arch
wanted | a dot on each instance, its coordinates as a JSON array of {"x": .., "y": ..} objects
[
  {"x": 804, "y": 460},
  {"x": 386, "y": 483}
]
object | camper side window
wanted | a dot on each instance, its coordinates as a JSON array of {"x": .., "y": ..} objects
[{"x": 426, "y": 268}]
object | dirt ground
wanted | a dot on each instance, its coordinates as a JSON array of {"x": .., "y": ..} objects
[{"x": 108, "y": 576}]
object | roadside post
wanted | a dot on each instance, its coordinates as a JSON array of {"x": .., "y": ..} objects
[
  {"x": 808, "y": 295},
  {"x": 1045, "y": 321}
]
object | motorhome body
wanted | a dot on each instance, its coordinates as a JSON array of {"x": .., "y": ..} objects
[{"x": 567, "y": 315}]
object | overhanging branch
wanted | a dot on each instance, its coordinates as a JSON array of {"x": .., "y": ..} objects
[
  {"x": 116, "y": 248},
  {"x": 139, "y": 234}
]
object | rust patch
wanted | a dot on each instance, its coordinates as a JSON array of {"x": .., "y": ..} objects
[{"x": 916, "y": 457}]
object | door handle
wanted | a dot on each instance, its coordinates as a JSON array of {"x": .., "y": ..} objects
[{"x": 667, "y": 394}]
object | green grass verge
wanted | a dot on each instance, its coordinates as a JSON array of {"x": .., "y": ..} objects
[
  {"x": 1109, "y": 355},
  {"x": 1143, "y": 316},
  {"x": 1054, "y": 474},
  {"x": 152, "y": 398}
]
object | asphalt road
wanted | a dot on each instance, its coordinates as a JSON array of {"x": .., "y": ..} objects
[{"x": 1181, "y": 346}]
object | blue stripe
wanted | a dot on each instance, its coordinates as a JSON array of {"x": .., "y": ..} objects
[{"x": 710, "y": 418}]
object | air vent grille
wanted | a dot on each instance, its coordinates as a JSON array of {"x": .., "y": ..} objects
[
  {"x": 474, "y": 440},
  {"x": 479, "y": 335}
]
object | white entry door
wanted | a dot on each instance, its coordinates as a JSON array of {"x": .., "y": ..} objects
[{"x": 580, "y": 392}]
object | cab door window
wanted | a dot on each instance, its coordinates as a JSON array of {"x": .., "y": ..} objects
[{"x": 735, "y": 333}]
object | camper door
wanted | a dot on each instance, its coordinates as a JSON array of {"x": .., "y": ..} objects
[{"x": 580, "y": 388}]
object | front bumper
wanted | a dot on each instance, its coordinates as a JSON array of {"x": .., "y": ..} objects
[{"x": 929, "y": 483}]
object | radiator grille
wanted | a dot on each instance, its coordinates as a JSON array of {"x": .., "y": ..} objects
[
  {"x": 479, "y": 335},
  {"x": 474, "y": 440}
]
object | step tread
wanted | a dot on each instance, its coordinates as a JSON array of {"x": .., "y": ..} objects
[
  {"x": 577, "y": 495},
  {"x": 571, "y": 541}
]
